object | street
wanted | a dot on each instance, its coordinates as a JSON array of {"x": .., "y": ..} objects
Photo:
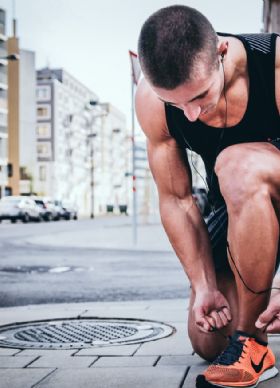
[{"x": 51, "y": 263}]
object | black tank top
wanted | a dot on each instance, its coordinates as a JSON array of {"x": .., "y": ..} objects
[{"x": 261, "y": 121}]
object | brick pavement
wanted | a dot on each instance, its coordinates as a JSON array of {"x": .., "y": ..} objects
[{"x": 168, "y": 362}]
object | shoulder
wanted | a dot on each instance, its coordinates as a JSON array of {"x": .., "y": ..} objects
[
  {"x": 150, "y": 113},
  {"x": 277, "y": 72}
]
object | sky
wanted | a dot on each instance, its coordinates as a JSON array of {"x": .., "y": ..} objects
[{"x": 91, "y": 38}]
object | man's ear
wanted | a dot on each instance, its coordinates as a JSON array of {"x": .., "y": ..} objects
[{"x": 222, "y": 48}]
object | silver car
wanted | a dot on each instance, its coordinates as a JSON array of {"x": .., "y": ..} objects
[{"x": 15, "y": 208}]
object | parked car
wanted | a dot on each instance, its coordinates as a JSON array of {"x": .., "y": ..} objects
[
  {"x": 48, "y": 210},
  {"x": 201, "y": 198},
  {"x": 22, "y": 208},
  {"x": 61, "y": 212},
  {"x": 71, "y": 211}
]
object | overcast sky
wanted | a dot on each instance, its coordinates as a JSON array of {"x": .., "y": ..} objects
[{"x": 91, "y": 38}]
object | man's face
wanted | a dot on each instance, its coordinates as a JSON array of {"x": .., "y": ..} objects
[{"x": 198, "y": 96}]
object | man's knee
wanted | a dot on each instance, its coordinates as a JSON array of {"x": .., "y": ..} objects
[{"x": 240, "y": 176}]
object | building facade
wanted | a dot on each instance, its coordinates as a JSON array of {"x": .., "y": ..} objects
[
  {"x": 27, "y": 121},
  {"x": 75, "y": 143},
  {"x": 3, "y": 106}
]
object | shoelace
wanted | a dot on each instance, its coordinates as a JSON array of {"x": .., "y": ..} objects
[{"x": 231, "y": 354}]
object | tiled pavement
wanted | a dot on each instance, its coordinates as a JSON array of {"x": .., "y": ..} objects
[{"x": 168, "y": 362}]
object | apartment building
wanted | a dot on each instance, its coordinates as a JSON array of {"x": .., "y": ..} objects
[
  {"x": 27, "y": 121},
  {"x": 3, "y": 107},
  {"x": 77, "y": 138}
]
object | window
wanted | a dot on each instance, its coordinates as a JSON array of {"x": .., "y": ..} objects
[
  {"x": 44, "y": 111},
  {"x": 43, "y": 93},
  {"x": 42, "y": 173},
  {"x": 44, "y": 130},
  {"x": 44, "y": 150}
]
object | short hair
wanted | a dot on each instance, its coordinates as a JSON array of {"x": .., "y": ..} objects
[{"x": 171, "y": 42}]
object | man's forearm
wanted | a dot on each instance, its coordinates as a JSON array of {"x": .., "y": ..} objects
[{"x": 188, "y": 235}]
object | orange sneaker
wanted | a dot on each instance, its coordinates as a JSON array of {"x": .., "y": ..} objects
[{"x": 245, "y": 362}]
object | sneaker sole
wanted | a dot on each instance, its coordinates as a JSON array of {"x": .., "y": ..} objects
[{"x": 267, "y": 375}]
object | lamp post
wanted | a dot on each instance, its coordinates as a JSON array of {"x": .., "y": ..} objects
[
  {"x": 91, "y": 136},
  {"x": 103, "y": 112},
  {"x": 89, "y": 113}
]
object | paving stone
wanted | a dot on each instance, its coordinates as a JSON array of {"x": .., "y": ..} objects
[
  {"x": 8, "y": 351},
  {"x": 176, "y": 344},
  {"x": 36, "y": 315},
  {"x": 125, "y": 361},
  {"x": 63, "y": 362},
  {"x": 15, "y": 362},
  {"x": 22, "y": 378},
  {"x": 46, "y": 352},
  {"x": 181, "y": 360},
  {"x": 164, "y": 377},
  {"x": 192, "y": 375},
  {"x": 162, "y": 314},
  {"x": 122, "y": 350}
]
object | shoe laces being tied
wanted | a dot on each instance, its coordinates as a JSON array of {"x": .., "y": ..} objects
[{"x": 232, "y": 353}]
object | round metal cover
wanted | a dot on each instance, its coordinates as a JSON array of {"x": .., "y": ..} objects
[{"x": 81, "y": 333}]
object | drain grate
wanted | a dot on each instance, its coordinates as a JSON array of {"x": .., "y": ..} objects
[{"x": 81, "y": 333}]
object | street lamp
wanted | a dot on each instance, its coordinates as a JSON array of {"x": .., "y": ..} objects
[
  {"x": 92, "y": 110},
  {"x": 91, "y": 135}
]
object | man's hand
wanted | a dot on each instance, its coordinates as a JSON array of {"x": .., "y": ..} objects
[
  {"x": 211, "y": 311},
  {"x": 269, "y": 320}
]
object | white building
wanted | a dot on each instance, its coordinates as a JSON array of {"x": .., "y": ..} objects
[
  {"x": 77, "y": 143},
  {"x": 27, "y": 121},
  {"x": 112, "y": 150}
]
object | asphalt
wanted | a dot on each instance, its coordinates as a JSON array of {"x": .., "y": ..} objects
[{"x": 167, "y": 362}]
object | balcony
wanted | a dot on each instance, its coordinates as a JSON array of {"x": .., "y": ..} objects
[
  {"x": 3, "y": 37},
  {"x": 3, "y": 130},
  {"x": 3, "y": 77},
  {"x": 3, "y": 52},
  {"x": 3, "y": 104}
]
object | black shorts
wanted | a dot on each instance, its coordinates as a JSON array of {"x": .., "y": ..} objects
[{"x": 217, "y": 224}]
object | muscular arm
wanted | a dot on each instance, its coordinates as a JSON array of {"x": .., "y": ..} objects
[{"x": 180, "y": 216}]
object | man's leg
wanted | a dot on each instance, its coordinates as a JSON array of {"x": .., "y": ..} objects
[{"x": 249, "y": 178}]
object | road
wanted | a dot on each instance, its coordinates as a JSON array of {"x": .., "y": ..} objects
[{"x": 55, "y": 273}]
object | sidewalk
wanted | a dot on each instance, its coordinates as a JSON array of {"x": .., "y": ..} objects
[{"x": 164, "y": 363}]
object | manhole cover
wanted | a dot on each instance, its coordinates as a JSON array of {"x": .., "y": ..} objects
[{"x": 81, "y": 333}]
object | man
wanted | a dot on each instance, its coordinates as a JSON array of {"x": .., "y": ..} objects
[{"x": 215, "y": 94}]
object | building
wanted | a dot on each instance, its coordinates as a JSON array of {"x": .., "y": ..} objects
[
  {"x": 112, "y": 148},
  {"x": 27, "y": 121},
  {"x": 13, "y": 113},
  {"x": 271, "y": 16},
  {"x": 3, "y": 106},
  {"x": 146, "y": 192},
  {"x": 77, "y": 138}
]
